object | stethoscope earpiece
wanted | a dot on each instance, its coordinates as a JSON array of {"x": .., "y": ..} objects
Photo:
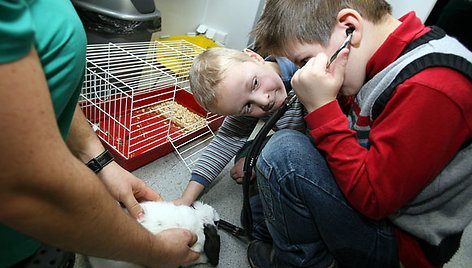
[
  {"x": 344, "y": 44},
  {"x": 349, "y": 31}
]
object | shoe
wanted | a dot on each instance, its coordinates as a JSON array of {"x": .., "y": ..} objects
[
  {"x": 48, "y": 257},
  {"x": 260, "y": 254}
]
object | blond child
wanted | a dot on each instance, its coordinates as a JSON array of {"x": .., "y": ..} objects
[{"x": 246, "y": 88}]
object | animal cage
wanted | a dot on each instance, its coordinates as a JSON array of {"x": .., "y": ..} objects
[{"x": 136, "y": 97}]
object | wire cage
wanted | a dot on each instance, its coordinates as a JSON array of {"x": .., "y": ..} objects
[{"x": 136, "y": 97}]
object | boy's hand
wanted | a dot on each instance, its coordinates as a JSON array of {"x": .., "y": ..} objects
[
  {"x": 315, "y": 84},
  {"x": 182, "y": 201},
  {"x": 237, "y": 172},
  {"x": 191, "y": 193}
]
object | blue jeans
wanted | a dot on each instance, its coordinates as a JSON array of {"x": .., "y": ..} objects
[{"x": 308, "y": 217}]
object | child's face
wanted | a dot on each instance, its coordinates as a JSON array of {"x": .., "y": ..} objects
[
  {"x": 354, "y": 75},
  {"x": 249, "y": 88}
]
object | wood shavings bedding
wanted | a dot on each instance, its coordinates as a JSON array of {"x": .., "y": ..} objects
[{"x": 181, "y": 115}]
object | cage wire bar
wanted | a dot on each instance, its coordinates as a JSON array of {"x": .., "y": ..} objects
[{"x": 137, "y": 98}]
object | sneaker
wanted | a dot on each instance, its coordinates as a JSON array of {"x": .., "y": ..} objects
[
  {"x": 260, "y": 254},
  {"x": 48, "y": 257}
]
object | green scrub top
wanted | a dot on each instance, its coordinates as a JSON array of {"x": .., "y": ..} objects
[{"x": 53, "y": 28}]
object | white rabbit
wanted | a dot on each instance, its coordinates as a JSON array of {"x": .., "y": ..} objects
[{"x": 200, "y": 219}]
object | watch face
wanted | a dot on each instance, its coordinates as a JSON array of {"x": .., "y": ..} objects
[
  {"x": 94, "y": 165},
  {"x": 97, "y": 163},
  {"x": 105, "y": 158}
]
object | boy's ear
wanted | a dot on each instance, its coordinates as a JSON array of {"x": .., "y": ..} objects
[
  {"x": 253, "y": 55},
  {"x": 351, "y": 19}
]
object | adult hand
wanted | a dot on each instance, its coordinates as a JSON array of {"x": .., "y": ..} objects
[
  {"x": 121, "y": 184},
  {"x": 315, "y": 84},
  {"x": 237, "y": 172},
  {"x": 173, "y": 248},
  {"x": 127, "y": 188}
]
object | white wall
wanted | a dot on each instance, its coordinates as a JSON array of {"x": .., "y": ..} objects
[
  {"x": 237, "y": 17},
  {"x": 422, "y": 8},
  {"x": 234, "y": 17},
  {"x": 181, "y": 16}
]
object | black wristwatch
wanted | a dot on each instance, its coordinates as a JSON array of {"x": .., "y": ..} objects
[{"x": 99, "y": 162}]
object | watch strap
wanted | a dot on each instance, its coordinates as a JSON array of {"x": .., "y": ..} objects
[{"x": 99, "y": 162}]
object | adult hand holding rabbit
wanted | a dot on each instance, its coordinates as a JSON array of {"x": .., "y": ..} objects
[{"x": 174, "y": 249}]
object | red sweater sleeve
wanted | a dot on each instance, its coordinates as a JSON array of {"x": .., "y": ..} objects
[{"x": 414, "y": 138}]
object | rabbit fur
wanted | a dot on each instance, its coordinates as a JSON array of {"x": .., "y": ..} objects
[{"x": 200, "y": 219}]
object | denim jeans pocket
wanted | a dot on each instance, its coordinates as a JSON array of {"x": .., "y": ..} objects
[{"x": 263, "y": 183}]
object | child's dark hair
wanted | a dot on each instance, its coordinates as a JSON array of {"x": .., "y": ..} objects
[{"x": 308, "y": 21}]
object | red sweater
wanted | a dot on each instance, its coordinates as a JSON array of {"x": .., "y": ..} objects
[{"x": 422, "y": 127}]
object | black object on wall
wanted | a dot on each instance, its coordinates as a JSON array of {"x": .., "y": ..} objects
[
  {"x": 453, "y": 16},
  {"x": 118, "y": 20}
]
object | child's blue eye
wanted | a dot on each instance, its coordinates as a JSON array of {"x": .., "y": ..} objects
[
  {"x": 255, "y": 83},
  {"x": 304, "y": 61},
  {"x": 247, "y": 110}
]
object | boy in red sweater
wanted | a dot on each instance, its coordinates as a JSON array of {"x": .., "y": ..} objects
[{"x": 389, "y": 179}]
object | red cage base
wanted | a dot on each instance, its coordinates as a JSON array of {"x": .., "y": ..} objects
[{"x": 148, "y": 136}]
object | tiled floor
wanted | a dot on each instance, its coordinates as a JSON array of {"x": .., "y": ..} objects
[{"x": 168, "y": 175}]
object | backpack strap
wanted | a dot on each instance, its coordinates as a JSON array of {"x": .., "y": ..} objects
[
  {"x": 451, "y": 61},
  {"x": 434, "y": 34}
]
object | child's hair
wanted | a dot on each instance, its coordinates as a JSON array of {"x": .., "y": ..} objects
[
  {"x": 209, "y": 69},
  {"x": 307, "y": 21}
]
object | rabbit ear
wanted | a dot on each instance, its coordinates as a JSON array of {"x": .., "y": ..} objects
[{"x": 212, "y": 244}]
